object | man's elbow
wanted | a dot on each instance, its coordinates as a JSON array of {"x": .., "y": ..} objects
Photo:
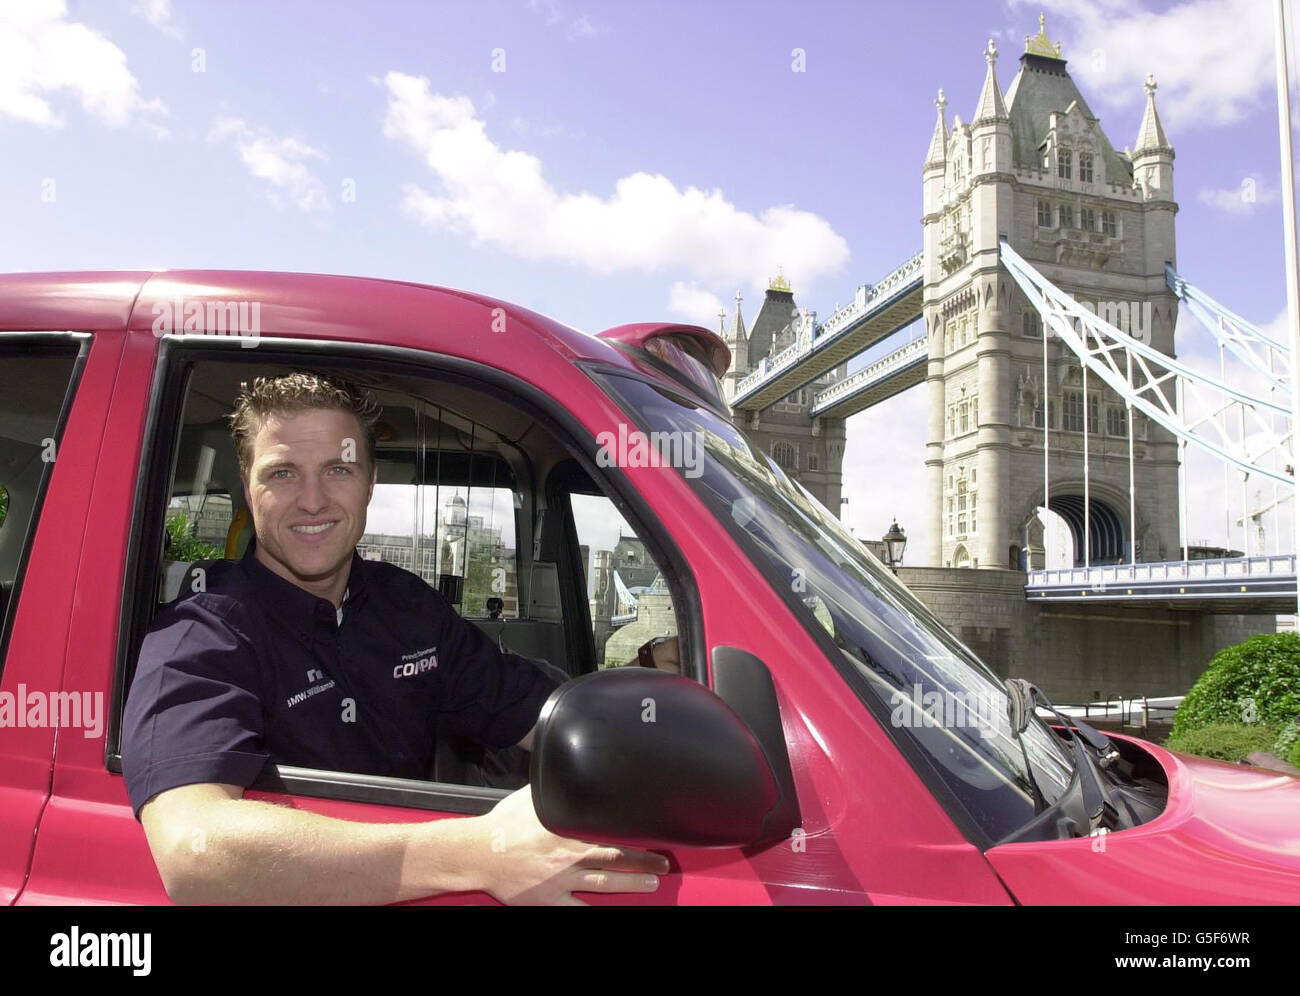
[
  {"x": 181, "y": 872},
  {"x": 184, "y": 886},
  {"x": 175, "y": 825}
]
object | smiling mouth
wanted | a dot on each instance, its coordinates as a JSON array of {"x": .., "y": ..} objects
[{"x": 315, "y": 530}]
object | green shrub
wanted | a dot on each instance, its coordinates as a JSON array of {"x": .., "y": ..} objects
[
  {"x": 1287, "y": 739},
  {"x": 1257, "y": 681},
  {"x": 1294, "y": 756},
  {"x": 184, "y": 545},
  {"x": 1225, "y": 741}
]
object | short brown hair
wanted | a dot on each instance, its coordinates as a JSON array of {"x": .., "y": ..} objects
[{"x": 290, "y": 393}]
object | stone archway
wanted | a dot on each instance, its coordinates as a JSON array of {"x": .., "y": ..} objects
[{"x": 1107, "y": 537}]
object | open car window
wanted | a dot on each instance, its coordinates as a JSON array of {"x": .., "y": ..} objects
[{"x": 458, "y": 502}]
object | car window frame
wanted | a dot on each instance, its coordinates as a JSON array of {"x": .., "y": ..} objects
[
  {"x": 83, "y": 341},
  {"x": 173, "y": 365}
]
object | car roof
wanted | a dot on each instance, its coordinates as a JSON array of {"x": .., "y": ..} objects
[{"x": 308, "y": 305}]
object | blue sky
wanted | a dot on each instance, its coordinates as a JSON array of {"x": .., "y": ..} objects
[{"x": 600, "y": 162}]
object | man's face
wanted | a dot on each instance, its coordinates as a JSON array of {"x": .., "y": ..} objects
[{"x": 307, "y": 500}]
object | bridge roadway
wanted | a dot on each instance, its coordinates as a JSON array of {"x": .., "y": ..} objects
[
  {"x": 1233, "y": 586},
  {"x": 877, "y": 311},
  {"x": 891, "y": 374}
]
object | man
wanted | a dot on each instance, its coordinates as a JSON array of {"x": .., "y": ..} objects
[{"x": 304, "y": 653}]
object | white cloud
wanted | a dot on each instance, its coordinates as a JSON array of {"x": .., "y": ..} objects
[
  {"x": 1242, "y": 199},
  {"x": 549, "y": 7},
  {"x": 281, "y": 162},
  {"x": 577, "y": 27},
  {"x": 697, "y": 305},
  {"x": 46, "y": 56},
  {"x": 502, "y": 198},
  {"x": 1213, "y": 59},
  {"x": 158, "y": 13},
  {"x": 525, "y": 129},
  {"x": 581, "y": 27}
]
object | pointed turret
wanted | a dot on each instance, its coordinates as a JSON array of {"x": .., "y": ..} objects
[
  {"x": 738, "y": 342},
  {"x": 991, "y": 106},
  {"x": 991, "y": 128},
  {"x": 1153, "y": 159},
  {"x": 737, "y": 335},
  {"x": 1151, "y": 136},
  {"x": 938, "y": 154}
]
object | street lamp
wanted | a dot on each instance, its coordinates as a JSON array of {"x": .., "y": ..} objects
[{"x": 895, "y": 540}]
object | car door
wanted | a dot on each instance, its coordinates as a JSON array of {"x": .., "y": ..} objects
[{"x": 118, "y": 577}]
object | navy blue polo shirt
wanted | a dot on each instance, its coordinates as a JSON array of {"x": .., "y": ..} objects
[{"x": 256, "y": 669}]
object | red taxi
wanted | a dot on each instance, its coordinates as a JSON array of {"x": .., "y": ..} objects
[{"x": 826, "y": 741}]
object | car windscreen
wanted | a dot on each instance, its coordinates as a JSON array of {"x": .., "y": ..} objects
[{"x": 923, "y": 684}]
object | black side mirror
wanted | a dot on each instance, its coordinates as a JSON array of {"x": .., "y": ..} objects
[{"x": 636, "y": 755}]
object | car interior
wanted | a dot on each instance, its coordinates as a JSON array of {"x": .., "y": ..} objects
[{"x": 474, "y": 495}]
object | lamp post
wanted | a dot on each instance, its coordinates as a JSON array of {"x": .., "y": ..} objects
[{"x": 894, "y": 540}]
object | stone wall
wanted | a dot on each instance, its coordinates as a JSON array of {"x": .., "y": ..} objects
[
  {"x": 654, "y": 617},
  {"x": 1075, "y": 651}
]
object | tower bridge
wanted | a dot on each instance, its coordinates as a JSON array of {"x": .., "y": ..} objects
[{"x": 1039, "y": 314}]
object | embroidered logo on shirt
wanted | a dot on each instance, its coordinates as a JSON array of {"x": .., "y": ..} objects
[
  {"x": 307, "y": 693},
  {"x": 417, "y": 663}
]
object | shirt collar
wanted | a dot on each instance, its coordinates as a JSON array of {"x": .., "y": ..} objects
[{"x": 307, "y": 615}]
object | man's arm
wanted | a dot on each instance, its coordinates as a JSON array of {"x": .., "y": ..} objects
[{"x": 213, "y": 846}]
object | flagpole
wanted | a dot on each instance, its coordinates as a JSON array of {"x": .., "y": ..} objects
[{"x": 1289, "y": 234}]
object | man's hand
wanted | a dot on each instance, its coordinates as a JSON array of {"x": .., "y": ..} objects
[
  {"x": 666, "y": 654},
  {"x": 529, "y": 865}
]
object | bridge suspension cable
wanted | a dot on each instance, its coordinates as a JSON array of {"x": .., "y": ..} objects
[
  {"x": 1264, "y": 354},
  {"x": 1159, "y": 386}
]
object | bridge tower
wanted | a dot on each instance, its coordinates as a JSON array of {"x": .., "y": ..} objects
[
  {"x": 1036, "y": 169},
  {"x": 809, "y": 448}
]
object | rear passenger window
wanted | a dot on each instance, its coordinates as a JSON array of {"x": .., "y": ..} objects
[
  {"x": 629, "y": 599},
  {"x": 444, "y": 508},
  {"x": 36, "y": 384}
]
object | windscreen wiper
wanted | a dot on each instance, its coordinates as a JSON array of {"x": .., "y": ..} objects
[
  {"x": 1020, "y": 705},
  {"x": 1023, "y": 697}
]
